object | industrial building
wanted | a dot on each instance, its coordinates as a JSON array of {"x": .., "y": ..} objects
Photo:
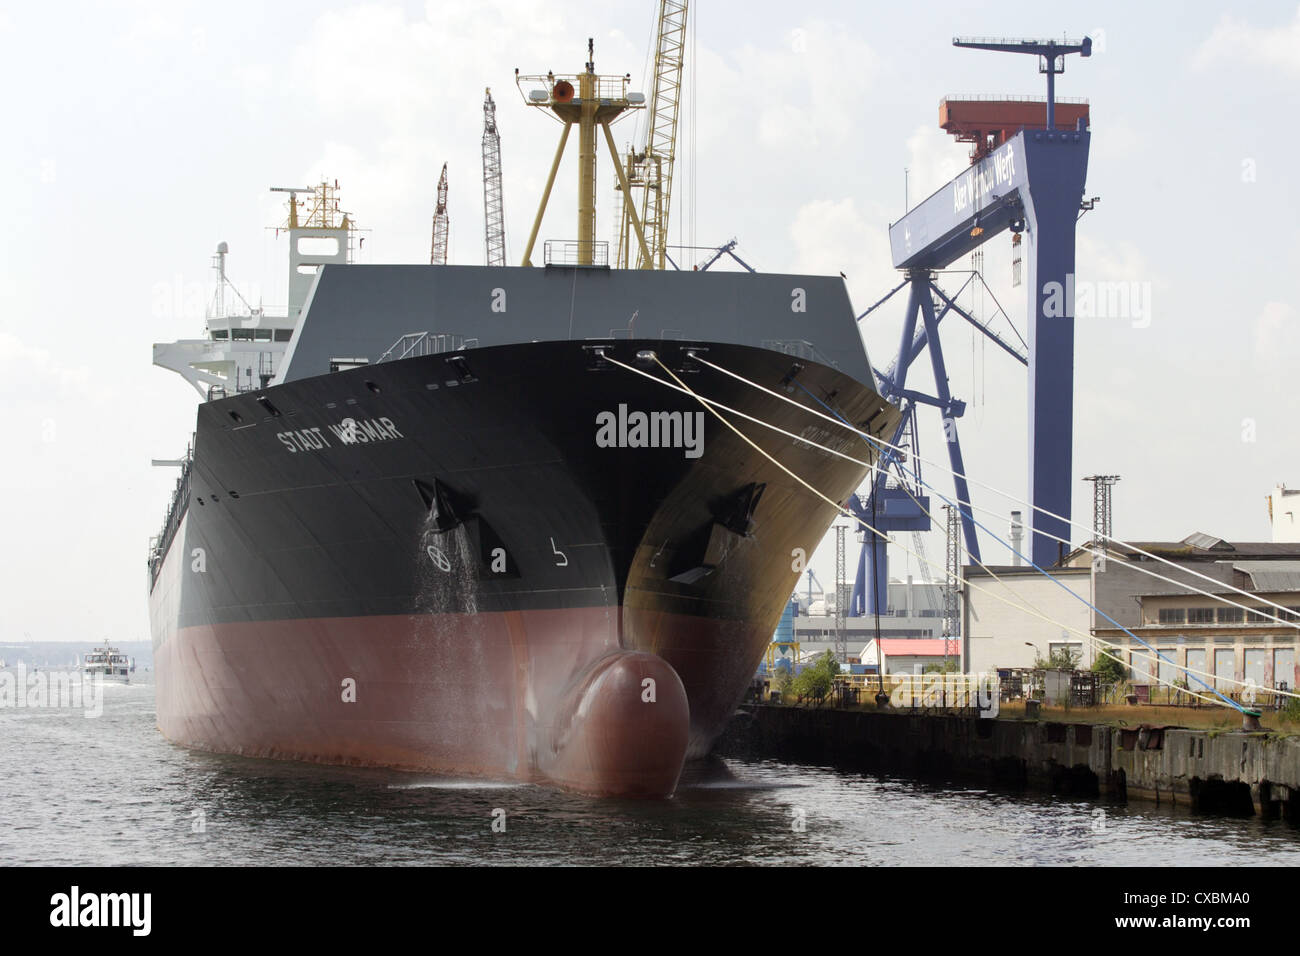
[
  {"x": 1190, "y": 629},
  {"x": 1023, "y": 615},
  {"x": 1000, "y": 628},
  {"x": 909, "y": 655},
  {"x": 914, "y": 610}
]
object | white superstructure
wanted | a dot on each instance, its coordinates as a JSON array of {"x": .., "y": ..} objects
[{"x": 243, "y": 350}]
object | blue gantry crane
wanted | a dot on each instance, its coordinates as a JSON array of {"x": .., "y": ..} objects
[{"x": 1027, "y": 176}]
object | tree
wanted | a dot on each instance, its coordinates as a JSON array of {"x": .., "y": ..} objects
[
  {"x": 950, "y": 666},
  {"x": 1109, "y": 670},
  {"x": 817, "y": 679},
  {"x": 1063, "y": 659}
]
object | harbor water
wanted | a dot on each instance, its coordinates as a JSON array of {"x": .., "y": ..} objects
[{"x": 109, "y": 790}]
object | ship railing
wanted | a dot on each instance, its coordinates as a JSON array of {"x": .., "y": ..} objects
[
  {"x": 415, "y": 344},
  {"x": 949, "y": 692},
  {"x": 1006, "y": 98},
  {"x": 576, "y": 252},
  {"x": 606, "y": 88},
  {"x": 159, "y": 545}
]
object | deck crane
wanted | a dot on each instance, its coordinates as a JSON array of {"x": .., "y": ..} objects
[
  {"x": 651, "y": 170},
  {"x": 494, "y": 215},
  {"x": 438, "y": 256},
  {"x": 727, "y": 249}
]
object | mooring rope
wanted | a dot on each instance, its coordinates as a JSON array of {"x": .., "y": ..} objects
[
  {"x": 1100, "y": 643},
  {"x": 709, "y": 405},
  {"x": 1045, "y": 574},
  {"x": 880, "y": 443}
]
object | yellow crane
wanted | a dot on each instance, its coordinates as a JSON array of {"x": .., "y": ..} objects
[{"x": 651, "y": 170}]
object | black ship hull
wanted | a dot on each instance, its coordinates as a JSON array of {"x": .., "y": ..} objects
[{"x": 443, "y": 563}]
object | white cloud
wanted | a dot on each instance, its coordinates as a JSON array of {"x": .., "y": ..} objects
[
  {"x": 806, "y": 98},
  {"x": 1121, "y": 260},
  {"x": 1236, "y": 40},
  {"x": 836, "y": 235},
  {"x": 1277, "y": 335},
  {"x": 933, "y": 158},
  {"x": 404, "y": 95},
  {"x": 26, "y": 371}
]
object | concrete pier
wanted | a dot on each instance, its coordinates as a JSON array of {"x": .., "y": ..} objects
[{"x": 1218, "y": 772}]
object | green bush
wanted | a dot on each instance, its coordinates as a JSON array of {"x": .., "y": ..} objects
[
  {"x": 1063, "y": 659},
  {"x": 1291, "y": 709},
  {"x": 949, "y": 666},
  {"x": 816, "y": 680},
  {"x": 1109, "y": 670}
]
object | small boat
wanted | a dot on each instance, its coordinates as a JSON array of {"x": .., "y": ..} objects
[{"x": 108, "y": 662}]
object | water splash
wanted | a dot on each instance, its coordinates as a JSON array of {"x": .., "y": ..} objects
[
  {"x": 448, "y": 578},
  {"x": 450, "y": 633}
]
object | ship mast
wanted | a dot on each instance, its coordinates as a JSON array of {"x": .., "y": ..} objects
[
  {"x": 588, "y": 101},
  {"x": 320, "y": 237}
]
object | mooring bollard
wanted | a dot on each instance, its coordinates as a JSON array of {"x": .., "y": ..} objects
[
  {"x": 1033, "y": 708},
  {"x": 1250, "y": 721}
]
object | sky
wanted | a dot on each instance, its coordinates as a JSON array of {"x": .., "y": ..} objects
[{"x": 141, "y": 134}]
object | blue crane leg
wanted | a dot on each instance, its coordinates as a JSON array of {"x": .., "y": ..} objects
[
  {"x": 950, "y": 427},
  {"x": 1057, "y": 167}
]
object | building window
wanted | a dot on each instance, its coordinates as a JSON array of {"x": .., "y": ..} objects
[
  {"x": 1173, "y": 615},
  {"x": 220, "y": 335},
  {"x": 241, "y": 335},
  {"x": 1231, "y": 615},
  {"x": 1258, "y": 617},
  {"x": 262, "y": 335},
  {"x": 283, "y": 335},
  {"x": 1200, "y": 615}
]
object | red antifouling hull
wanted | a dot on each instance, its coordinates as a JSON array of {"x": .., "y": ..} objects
[
  {"x": 624, "y": 729},
  {"x": 537, "y": 696}
]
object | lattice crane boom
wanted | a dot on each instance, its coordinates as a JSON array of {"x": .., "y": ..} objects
[
  {"x": 494, "y": 215},
  {"x": 652, "y": 170},
  {"x": 438, "y": 256}
]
